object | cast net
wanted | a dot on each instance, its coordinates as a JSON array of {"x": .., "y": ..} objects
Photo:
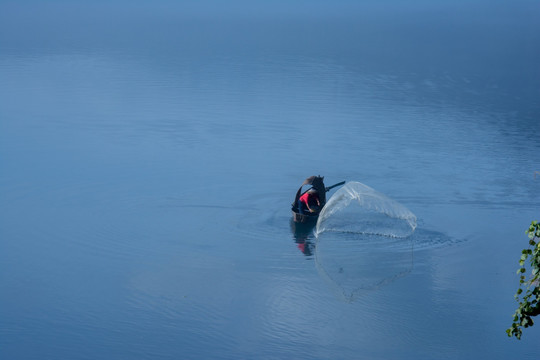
[
  {"x": 357, "y": 208},
  {"x": 363, "y": 240}
]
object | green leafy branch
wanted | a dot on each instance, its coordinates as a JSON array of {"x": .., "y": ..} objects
[{"x": 528, "y": 293}]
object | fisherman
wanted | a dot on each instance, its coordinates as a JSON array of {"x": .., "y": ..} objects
[{"x": 310, "y": 201}]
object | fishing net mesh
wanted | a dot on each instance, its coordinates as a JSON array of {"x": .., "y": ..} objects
[{"x": 363, "y": 240}]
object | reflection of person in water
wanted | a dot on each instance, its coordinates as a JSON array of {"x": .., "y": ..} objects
[
  {"x": 303, "y": 237},
  {"x": 306, "y": 247},
  {"x": 309, "y": 201},
  {"x": 304, "y": 244}
]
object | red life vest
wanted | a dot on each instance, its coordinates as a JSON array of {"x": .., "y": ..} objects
[{"x": 309, "y": 198}]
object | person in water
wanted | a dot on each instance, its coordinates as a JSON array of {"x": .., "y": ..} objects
[{"x": 310, "y": 201}]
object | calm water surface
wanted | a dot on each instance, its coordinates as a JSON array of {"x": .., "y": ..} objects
[{"x": 149, "y": 155}]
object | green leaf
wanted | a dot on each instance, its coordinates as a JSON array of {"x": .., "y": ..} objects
[{"x": 528, "y": 297}]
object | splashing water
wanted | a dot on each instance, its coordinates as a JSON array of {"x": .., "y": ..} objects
[
  {"x": 357, "y": 208},
  {"x": 363, "y": 240}
]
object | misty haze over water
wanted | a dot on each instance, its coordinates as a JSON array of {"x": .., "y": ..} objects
[{"x": 150, "y": 151}]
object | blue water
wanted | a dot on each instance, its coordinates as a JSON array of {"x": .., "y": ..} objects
[{"x": 149, "y": 153}]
